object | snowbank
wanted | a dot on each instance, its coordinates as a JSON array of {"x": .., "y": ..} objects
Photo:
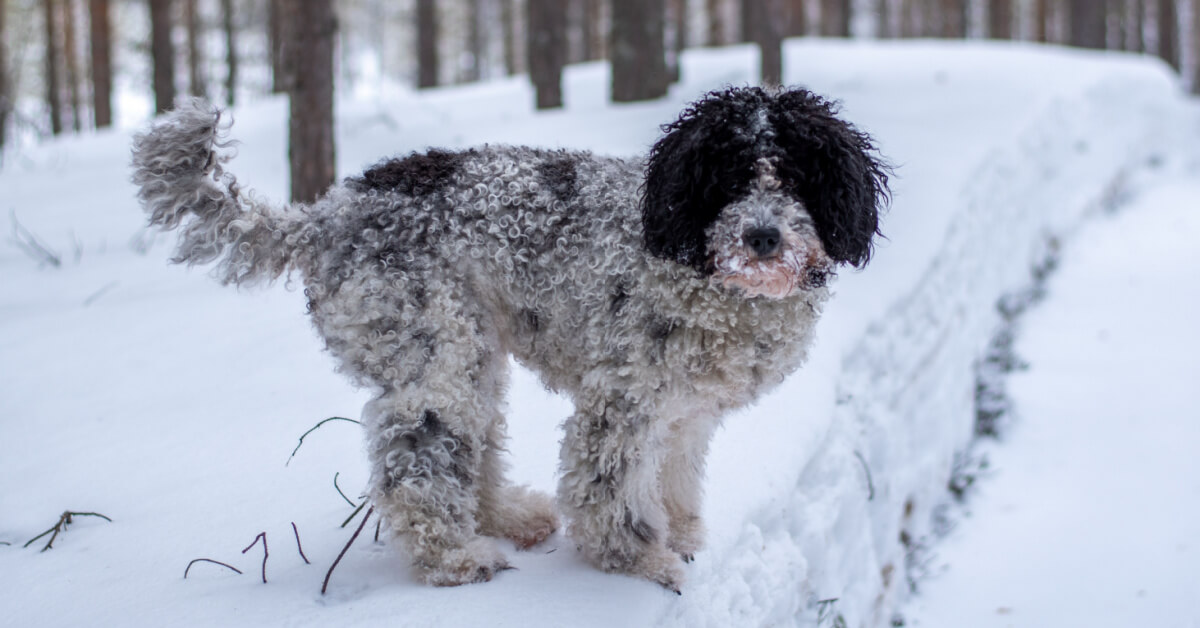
[{"x": 149, "y": 394}]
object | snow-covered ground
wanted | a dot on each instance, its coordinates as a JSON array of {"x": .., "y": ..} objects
[
  {"x": 149, "y": 394},
  {"x": 1090, "y": 515}
]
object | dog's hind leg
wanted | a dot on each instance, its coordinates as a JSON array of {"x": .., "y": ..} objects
[
  {"x": 427, "y": 438},
  {"x": 609, "y": 490}
]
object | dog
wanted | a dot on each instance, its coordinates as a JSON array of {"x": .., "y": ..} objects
[{"x": 658, "y": 295}]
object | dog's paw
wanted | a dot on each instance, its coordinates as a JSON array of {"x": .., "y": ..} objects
[
  {"x": 661, "y": 565},
  {"x": 477, "y": 561},
  {"x": 686, "y": 537},
  {"x": 525, "y": 516}
]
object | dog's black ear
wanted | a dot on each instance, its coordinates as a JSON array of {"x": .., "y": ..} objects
[
  {"x": 704, "y": 162},
  {"x": 834, "y": 170}
]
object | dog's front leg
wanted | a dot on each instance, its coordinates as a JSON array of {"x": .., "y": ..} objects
[{"x": 611, "y": 454}]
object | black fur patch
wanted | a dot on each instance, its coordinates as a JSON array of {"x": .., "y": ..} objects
[
  {"x": 558, "y": 174},
  {"x": 418, "y": 174},
  {"x": 706, "y": 161}
]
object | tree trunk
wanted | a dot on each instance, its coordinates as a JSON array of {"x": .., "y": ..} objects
[
  {"x": 767, "y": 30},
  {"x": 310, "y": 27},
  {"x": 427, "y": 43},
  {"x": 716, "y": 22},
  {"x": 474, "y": 70},
  {"x": 1196, "y": 46},
  {"x": 276, "y": 41},
  {"x": 1137, "y": 26},
  {"x": 639, "y": 70},
  {"x": 1000, "y": 19},
  {"x": 53, "y": 90},
  {"x": 231, "y": 56},
  {"x": 547, "y": 21},
  {"x": 676, "y": 37},
  {"x": 4, "y": 87},
  {"x": 910, "y": 19},
  {"x": 835, "y": 18},
  {"x": 508, "y": 16},
  {"x": 1168, "y": 32},
  {"x": 71, "y": 55},
  {"x": 101, "y": 30},
  {"x": 1087, "y": 28},
  {"x": 163, "y": 55},
  {"x": 797, "y": 18},
  {"x": 195, "y": 56},
  {"x": 1041, "y": 18},
  {"x": 953, "y": 15}
]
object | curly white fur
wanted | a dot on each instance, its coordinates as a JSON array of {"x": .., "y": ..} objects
[{"x": 423, "y": 288}]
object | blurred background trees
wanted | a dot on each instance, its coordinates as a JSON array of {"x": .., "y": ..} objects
[{"x": 74, "y": 65}]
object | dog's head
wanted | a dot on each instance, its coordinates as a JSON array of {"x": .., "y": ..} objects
[{"x": 766, "y": 192}]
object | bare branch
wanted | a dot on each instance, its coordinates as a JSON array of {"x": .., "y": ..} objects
[
  {"x": 263, "y": 536},
  {"x": 325, "y": 585},
  {"x": 339, "y": 490},
  {"x": 99, "y": 293},
  {"x": 353, "y": 514},
  {"x": 870, "y": 482},
  {"x": 208, "y": 560},
  {"x": 29, "y": 243},
  {"x": 310, "y": 431},
  {"x": 298, "y": 545},
  {"x": 64, "y": 520}
]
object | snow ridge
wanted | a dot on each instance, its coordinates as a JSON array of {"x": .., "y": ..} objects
[{"x": 849, "y": 528}]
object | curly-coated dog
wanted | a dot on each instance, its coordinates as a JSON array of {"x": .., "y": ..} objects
[{"x": 657, "y": 295}]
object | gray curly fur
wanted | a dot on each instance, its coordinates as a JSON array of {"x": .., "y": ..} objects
[{"x": 426, "y": 273}]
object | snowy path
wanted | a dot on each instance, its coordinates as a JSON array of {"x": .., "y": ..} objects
[{"x": 1092, "y": 515}]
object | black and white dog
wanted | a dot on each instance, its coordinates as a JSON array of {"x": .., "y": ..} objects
[{"x": 657, "y": 295}]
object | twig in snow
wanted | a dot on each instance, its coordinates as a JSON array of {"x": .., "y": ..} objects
[
  {"x": 208, "y": 560},
  {"x": 5, "y": 543},
  {"x": 378, "y": 522},
  {"x": 64, "y": 520},
  {"x": 263, "y": 536},
  {"x": 298, "y": 545},
  {"x": 325, "y": 585},
  {"x": 310, "y": 431},
  {"x": 353, "y": 514},
  {"x": 29, "y": 243},
  {"x": 870, "y": 482},
  {"x": 99, "y": 293},
  {"x": 339, "y": 490},
  {"x": 825, "y": 608}
]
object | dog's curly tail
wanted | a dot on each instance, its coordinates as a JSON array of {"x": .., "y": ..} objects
[{"x": 178, "y": 172}]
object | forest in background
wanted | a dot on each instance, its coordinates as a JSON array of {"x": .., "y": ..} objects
[{"x": 63, "y": 62}]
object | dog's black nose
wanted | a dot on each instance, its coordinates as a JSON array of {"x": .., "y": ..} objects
[{"x": 764, "y": 241}]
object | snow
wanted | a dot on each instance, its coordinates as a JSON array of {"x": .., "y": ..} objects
[
  {"x": 1096, "y": 486},
  {"x": 147, "y": 393}
]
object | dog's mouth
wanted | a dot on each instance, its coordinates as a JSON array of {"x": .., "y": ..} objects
[{"x": 800, "y": 264}]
